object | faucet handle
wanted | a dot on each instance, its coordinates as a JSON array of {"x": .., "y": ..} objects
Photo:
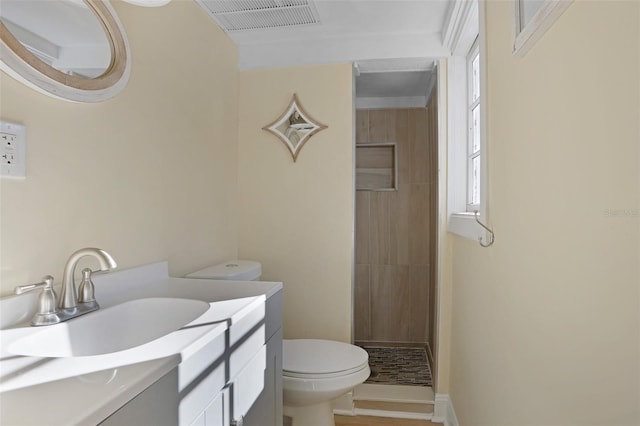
[
  {"x": 47, "y": 281},
  {"x": 86, "y": 291},
  {"x": 47, "y": 312}
]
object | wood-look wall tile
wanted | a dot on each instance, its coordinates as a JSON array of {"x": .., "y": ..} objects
[
  {"x": 400, "y": 305},
  {"x": 399, "y": 212},
  {"x": 362, "y": 126},
  {"x": 395, "y": 253},
  {"x": 419, "y": 151},
  {"x": 378, "y": 128},
  {"x": 390, "y": 124},
  {"x": 403, "y": 148},
  {"x": 381, "y": 284},
  {"x": 379, "y": 244},
  {"x": 419, "y": 307},
  {"x": 419, "y": 221},
  {"x": 363, "y": 226},
  {"x": 362, "y": 303}
]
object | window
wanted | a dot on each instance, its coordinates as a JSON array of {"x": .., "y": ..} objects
[
  {"x": 466, "y": 149},
  {"x": 473, "y": 123}
]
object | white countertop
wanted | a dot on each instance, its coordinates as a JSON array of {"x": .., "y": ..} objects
[{"x": 86, "y": 390}]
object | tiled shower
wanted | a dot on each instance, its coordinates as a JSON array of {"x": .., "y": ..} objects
[{"x": 396, "y": 223}]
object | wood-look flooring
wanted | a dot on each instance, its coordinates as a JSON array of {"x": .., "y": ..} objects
[{"x": 380, "y": 421}]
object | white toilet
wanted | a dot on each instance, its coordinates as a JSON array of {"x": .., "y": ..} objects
[{"x": 314, "y": 372}]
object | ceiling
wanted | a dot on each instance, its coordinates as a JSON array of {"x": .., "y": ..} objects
[{"x": 393, "y": 43}]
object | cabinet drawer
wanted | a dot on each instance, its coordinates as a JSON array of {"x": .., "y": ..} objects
[{"x": 249, "y": 384}]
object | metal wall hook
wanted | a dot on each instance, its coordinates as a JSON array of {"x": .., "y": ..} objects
[{"x": 491, "y": 234}]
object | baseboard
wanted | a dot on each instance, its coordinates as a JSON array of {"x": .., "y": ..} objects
[{"x": 443, "y": 411}]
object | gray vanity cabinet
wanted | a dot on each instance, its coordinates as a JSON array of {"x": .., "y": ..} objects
[{"x": 234, "y": 379}]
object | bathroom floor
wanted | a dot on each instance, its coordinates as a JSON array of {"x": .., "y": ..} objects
[{"x": 398, "y": 366}]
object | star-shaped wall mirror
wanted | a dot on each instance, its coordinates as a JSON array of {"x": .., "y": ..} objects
[{"x": 294, "y": 127}]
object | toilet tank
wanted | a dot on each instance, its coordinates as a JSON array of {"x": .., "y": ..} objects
[{"x": 234, "y": 270}]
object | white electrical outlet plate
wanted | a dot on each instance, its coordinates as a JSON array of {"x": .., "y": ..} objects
[{"x": 13, "y": 150}]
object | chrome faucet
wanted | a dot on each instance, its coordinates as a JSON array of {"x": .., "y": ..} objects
[
  {"x": 69, "y": 305},
  {"x": 68, "y": 297}
]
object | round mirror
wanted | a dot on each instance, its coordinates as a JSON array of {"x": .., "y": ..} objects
[{"x": 70, "y": 49}]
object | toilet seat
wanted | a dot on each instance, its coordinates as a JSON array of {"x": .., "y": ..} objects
[{"x": 321, "y": 359}]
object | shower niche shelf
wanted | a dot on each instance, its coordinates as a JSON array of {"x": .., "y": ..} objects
[{"x": 376, "y": 167}]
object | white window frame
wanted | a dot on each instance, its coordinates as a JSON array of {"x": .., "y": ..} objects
[
  {"x": 461, "y": 218},
  {"x": 471, "y": 105},
  {"x": 527, "y": 30}
]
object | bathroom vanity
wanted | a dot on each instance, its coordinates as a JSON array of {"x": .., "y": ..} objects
[{"x": 221, "y": 367}]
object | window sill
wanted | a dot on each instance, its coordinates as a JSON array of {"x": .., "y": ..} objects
[{"x": 464, "y": 224}]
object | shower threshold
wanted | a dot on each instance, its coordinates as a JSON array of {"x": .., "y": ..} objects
[
  {"x": 396, "y": 401},
  {"x": 399, "y": 385}
]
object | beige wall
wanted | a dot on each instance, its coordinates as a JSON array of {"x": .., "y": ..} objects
[
  {"x": 147, "y": 176},
  {"x": 297, "y": 218},
  {"x": 546, "y": 322}
]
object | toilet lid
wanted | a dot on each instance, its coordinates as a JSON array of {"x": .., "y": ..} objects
[
  {"x": 315, "y": 357},
  {"x": 237, "y": 270}
]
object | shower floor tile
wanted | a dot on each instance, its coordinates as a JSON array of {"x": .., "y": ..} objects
[{"x": 398, "y": 366}]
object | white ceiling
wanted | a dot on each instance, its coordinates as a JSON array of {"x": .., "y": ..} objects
[{"x": 394, "y": 42}]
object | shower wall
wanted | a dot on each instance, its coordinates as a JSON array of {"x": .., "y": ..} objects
[{"x": 395, "y": 247}]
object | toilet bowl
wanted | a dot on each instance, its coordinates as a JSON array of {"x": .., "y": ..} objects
[{"x": 314, "y": 372}]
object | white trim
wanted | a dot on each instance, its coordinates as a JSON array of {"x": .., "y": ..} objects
[
  {"x": 442, "y": 237},
  {"x": 354, "y": 73},
  {"x": 485, "y": 197},
  {"x": 456, "y": 22},
  {"x": 464, "y": 225},
  {"x": 541, "y": 21},
  {"x": 443, "y": 411},
  {"x": 395, "y": 65},
  {"x": 292, "y": 52}
]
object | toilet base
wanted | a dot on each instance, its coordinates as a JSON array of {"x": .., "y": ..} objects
[{"x": 311, "y": 415}]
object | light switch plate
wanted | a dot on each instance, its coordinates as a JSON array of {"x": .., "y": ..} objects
[{"x": 13, "y": 150}]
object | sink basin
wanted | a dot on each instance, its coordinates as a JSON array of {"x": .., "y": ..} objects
[{"x": 112, "y": 329}]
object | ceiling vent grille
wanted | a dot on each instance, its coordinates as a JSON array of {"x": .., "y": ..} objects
[{"x": 239, "y": 15}]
